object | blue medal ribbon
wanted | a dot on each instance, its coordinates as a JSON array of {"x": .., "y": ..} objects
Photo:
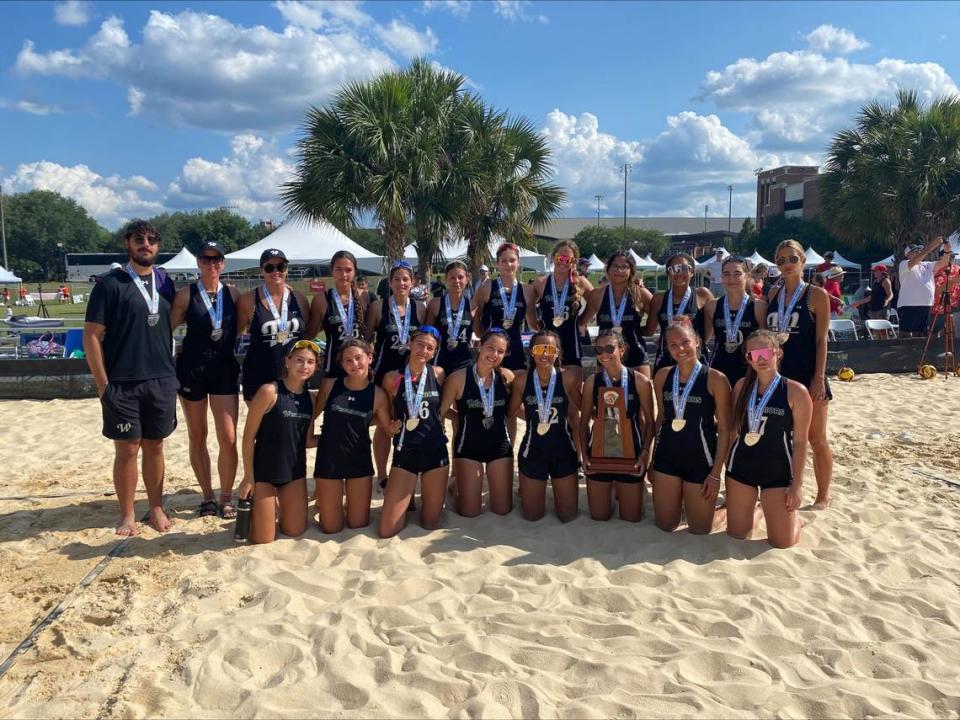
[
  {"x": 683, "y": 304},
  {"x": 680, "y": 400},
  {"x": 216, "y": 315},
  {"x": 755, "y": 409},
  {"x": 403, "y": 326},
  {"x": 783, "y": 315}
]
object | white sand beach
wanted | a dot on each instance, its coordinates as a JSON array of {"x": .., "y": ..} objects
[{"x": 491, "y": 617}]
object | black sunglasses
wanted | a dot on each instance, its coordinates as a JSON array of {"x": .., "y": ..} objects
[
  {"x": 272, "y": 268},
  {"x": 606, "y": 349},
  {"x": 211, "y": 259}
]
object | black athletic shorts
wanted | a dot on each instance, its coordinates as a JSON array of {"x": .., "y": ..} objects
[
  {"x": 913, "y": 318},
  {"x": 615, "y": 477},
  {"x": 336, "y": 466},
  {"x": 484, "y": 454},
  {"x": 765, "y": 481},
  {"x": 545, "y": 467},
  {"x": 197, "y": 379},
  {"x": 666, "y": 466},
  {"x": 143, "y": 409},
  {"x": 420, "y": 460}
]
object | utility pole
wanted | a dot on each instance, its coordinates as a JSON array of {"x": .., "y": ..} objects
[
  {"x": 626, "y": 171},
  {"x": 3, "y": 231},
  {"x": 599, "y": 198},
  {"x": 730, "y": 208},
  {"x": 705, "y": 208}
]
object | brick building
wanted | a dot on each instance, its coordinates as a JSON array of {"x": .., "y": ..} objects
[{"x": 791, "y": 190}]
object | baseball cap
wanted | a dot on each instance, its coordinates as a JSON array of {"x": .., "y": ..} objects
[
  {"x": 212, "y": 245},
  {"x": 484, "y": 268},
  {"x": 272, "y": 254},
  {"x": 881, "y": 267},
  {"x": 914, "y": 248}
]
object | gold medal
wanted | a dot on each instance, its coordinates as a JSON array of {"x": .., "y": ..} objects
[
  {"x": 783, "y": 337},
  {"x": 543, "y": 428},
  {"x": 412, "y": 424},
  {"x": 281, "y": 336},
  {"x": 507, "y": 323},
  {"x": 751, "y": 438},
  {"x": 451, "y": 345},
  {"x": 557, "y": 322},
  {"x": 678, "y": 424}
]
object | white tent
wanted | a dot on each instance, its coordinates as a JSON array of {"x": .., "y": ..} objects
[
  {"x": 183, "y": 262},
  {"x": 457, "y": 250},
  {"x": 813, "y": 258},
  {"x": 712, "y": 260},
  {"x": 304, "y": 243},
  {"x": 758, "y": 259},
  {"x": 8, "y": 277},
  {"x": 596, "y": 264},
  {"x": 636, "y": 258},
  {"x": 888, "y": 261},
  {"x": 840, "y": 260},
  {"x": 649, "y": 264}
]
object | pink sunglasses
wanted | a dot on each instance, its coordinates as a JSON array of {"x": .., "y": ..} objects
[{"x": 760, "y": 354}]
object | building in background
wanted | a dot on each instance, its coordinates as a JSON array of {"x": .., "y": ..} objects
[
  {"x": 790, "y": 190},
  {"x": 84, "y": 267}
]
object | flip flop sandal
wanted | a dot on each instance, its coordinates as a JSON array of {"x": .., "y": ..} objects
[
  {"x": 208, "y": 508},
  {"x": 228, "y": 511}
]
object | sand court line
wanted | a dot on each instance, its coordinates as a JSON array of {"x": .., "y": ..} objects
[{"x": 924, "y": 473}]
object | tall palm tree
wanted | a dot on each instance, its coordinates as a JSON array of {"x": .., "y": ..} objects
[{"x": 896, "y": 174}]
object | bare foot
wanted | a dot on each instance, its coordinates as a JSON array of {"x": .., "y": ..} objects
[
  {"x": 821, "y": 503},
  {"x": 159, "y": 520},
  {"x": 127, "y": 527}
]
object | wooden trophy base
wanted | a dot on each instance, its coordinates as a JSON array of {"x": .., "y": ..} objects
[{"x": 619, "y": 466}]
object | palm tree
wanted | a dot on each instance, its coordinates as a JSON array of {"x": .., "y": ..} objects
[
  {"x": 376, "y": 148},
  {"x": 896, "y": 174}
]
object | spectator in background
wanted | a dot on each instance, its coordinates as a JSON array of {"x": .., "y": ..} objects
[
  {"x": 6, "y": 295},
  {"x": 484, "y": 275},
  {"x": 940, "y": 280},
  {"x": 827, "y": 262},
  {"x": 716, "y": 274},
  {"x": 917, "y": 285},
  {"x": 880, "y": 295},
  {"x": 759, "y": 276},
  {"x": 831, "y": 283},
  {"x": 419, "y": 289},
  {"x": 365, "y": 292}
]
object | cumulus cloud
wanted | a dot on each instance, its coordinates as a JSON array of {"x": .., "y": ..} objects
[
  {"x": 71, "y": 12},
  {"x": 32, "y": 107},
  {"x": 405, "y": 39},
  {"x": 830, "y": 39},
  {"x": 111, "y": 200},
  {"x": 247, "y": 179},
  {"x": 253, "y": 78},
  {"x": 457, "y": 8},
  {"x": 517, "y": 10}
]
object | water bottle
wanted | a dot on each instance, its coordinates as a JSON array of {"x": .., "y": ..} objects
[{"x": 241, "y": 532}]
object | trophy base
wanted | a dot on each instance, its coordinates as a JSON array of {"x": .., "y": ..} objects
[{"x": 619, "y": 466}]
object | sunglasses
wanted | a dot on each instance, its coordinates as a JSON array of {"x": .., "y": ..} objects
[
  {"x": 792, "y": 260},
  {"x": 760, "y": 354},
  {"x": 429, "y": 330},
  {"x": 563, "y": 259},
  {"x": 211, "y": 259},
  {"x": 150, "y": 240},
  {"x": 306, "y": 345},
  {"x": 272, "y": 268},
  {"x": 544, "y": 350},
  {"x": 606, "y": 349},
  {"x": 619, "y": 268},
  {"x": 677, "y": 269}
]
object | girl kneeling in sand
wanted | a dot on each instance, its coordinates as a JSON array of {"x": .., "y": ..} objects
[
  {"x": 275, "y": 441},
  {"x": 344, "y": 463},
  {"x": 419, "y": 442},
  {"x": 597, "y": 406},
  {"x": 693, "y": 434},
  {"x": 772, "y": 415},
  {"x": 550, "y": 399},
  {"x": 481, "y": 392}
]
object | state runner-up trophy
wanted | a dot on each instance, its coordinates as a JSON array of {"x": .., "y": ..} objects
[{"x": 611, "y": 446}]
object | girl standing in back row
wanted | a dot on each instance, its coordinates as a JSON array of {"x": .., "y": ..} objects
[
  {"x": 560, "y": 300},
  {"x": 681, "y": 298},
  {"x": 340, "y": 311}
]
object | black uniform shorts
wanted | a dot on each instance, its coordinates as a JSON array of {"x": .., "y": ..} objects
[
  {"x": 420, "y": 460},
  {"x": 199, "y": 378},
  {"x": 141, "y": 409},
  {"x": 548, "y": 466}
]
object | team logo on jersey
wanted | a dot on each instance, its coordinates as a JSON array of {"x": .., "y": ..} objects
[{"x": 124, "y": 427}]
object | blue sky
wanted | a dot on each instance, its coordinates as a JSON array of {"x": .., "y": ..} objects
[{"x": 134, "y": 108}]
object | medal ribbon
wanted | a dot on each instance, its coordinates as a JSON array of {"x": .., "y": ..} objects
[
  {"x": 281, "y": 315},
  {"x": 509, "y": 309},
  {"x": 152, "y": 298},
  {"x": 403, "y": 326},
  {"x": 216, "y": 316},
  {"x": 680, "y": 400},
  {"x": 623, "y": 380},
  {"x": 617, "y": 314},
  {"x": 783, "y": 317},
  {"x": 486, "y": 396},
  {"x": 346, "y": 315},
  {"x": 683, "y": 304},
  {"x": 454, "y": 321},
  {"x": 755, "y": 409},
  {"x": 544, "y": 401},
  {"x": 559, "y": 303},
  {"x": 414, "y": 406},
  {"x": 731, "y": 329}
]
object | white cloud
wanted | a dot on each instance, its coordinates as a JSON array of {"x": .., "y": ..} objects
[
  {"x": 406, "y": 39},
  {"x": 32, "y": 107},
  {"x": 71, "y": 12},
  {"x": 247, "y": 179},
  {"x": 315, "y": 14},
  {"x": 457, "y": 8},
  {"x": 583, "y": 156},
  {"x": 514, "y": 10},
  {"x": 111, "y": 200},
  {"x": 830, "y": 39}
]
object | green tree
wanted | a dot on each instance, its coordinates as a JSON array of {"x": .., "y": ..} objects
[
  {"x": 42, "y": 226},
  {"x": 603, "y": 241},
  {"x": 746, "y": 240},
  {"x": 192, "y": 229},
  {"x": 895, "y": 175}
]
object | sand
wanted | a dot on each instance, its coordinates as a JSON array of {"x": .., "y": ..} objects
[{"x": 491, "y": 617}]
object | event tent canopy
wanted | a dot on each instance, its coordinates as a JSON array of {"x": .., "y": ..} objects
[
  {"x": 647, "y": 263},
  {"x": 706, "y": 264},
  {"x": 8, "y": 277},
  {"x": 758, "y": 259},
  {"x": 813, "y": 258},
  {"x": 840, "y": 260},
  {"x": 596, "y": 264},
  {"x": 457, "y": 250},
  {"x": 304, "y": 243},
  {"x": 183, "y": 262}
]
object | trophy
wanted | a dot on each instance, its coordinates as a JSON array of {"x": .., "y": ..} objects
[{"x": 611, "y": 445}]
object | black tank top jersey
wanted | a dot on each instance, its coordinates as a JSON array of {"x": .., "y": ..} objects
[
  {"x": 428, "y": 435},
  {"x": 699, "y": 434},
  {"x": 198, "y": 345},
  {"x": 451, "y": 360},
  {"x": 878, "y": 296},
  {"x": 632, "y": 330},
  {"x": 663, "y": 358},
  {"x": 346, "y": 420},
  {"x": 280, "y": 448},
  {"x": 569, "y": 336},
  {"x": 732, "y": 364},
  {"x": 772, "y": 456},
  {"x": 470, "y": 410},
  {"x": 633, "y": 405},
  {"x": 493, "y": 317},
  {"x": 559, "y": 438},
  {"x": 800, "y": 351},
  {"x": 333, "y": 331},
  {"x": 389, "y": 353},
  {"x": 264, "y": 358}
]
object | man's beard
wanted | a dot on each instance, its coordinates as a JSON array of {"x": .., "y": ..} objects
[{"x": 144, "y": 261}]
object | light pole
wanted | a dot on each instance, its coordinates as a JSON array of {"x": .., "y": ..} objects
[
  {"x": 599, "y": 198},
  {"x": 705, "y": 208},
  {"x": 626, "y": 171},
  {"x": 3, "y": 231},
  {"x": 729, "y": 207}
]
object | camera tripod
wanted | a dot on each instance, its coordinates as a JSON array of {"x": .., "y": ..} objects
[
  {"x": 949, "y": 346},
  {"x": 41, "y": 308}
]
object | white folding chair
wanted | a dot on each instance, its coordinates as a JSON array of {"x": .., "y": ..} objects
[
  {"x": 77, "y": 299},
  {"x": 30, "y": 302},
  {"x": 841, "y": 325},
  {"x": 880, "y": 326},
  {"x": 894, "y": 318}
]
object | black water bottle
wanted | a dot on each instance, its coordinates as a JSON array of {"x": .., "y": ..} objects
[{"x": 241, "y": 532}]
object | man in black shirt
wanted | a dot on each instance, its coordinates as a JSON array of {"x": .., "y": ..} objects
[{"x": 127, "y": 339}]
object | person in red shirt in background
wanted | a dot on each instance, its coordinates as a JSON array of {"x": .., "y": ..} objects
[
  {"x": 831, "y": 283},
  {"x": 940, "y": 280},
  {"x": 826, "y": 264},
  {"x": 6, "y": 296}
]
